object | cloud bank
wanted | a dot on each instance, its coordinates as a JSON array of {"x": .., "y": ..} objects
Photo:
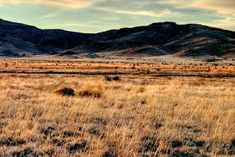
[
  {"x": 108, "y": 14},
  {"x": 221, "y": 6},
  {"x": 57, "y": 3}
]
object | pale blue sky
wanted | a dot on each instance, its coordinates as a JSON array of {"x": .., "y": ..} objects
[{"x": 101, "y": 15}]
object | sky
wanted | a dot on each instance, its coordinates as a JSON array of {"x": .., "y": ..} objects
[{"x": 91, "y": 16}]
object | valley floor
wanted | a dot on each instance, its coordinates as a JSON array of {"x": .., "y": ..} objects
[{"x": 136, "y": 112}]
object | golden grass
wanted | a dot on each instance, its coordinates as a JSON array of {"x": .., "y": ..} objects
[
  {"x": 112, "y": 66},
  {"x": 132, "y": 117}
]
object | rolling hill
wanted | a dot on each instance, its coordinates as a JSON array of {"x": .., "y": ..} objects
[{"x": 157, "y": 39}]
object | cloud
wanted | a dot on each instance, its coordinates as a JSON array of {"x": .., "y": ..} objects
[
  {"x": 217, "y": 13},
  {"x": 149, "y": 13},
  {"x": 223, "y": 9},
  {"x": 57, "y": 3},
  {"x": 227, "y": 23},
  {"x": 221, "y": 6},
  {"x": 144, "y": 13},
  {"x": 50, "y": 15}
]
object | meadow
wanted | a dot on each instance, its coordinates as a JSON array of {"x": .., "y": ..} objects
[{"x": 109, "y": 109}]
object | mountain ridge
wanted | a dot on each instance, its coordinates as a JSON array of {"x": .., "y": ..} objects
[{"x": 165, "y": 38}]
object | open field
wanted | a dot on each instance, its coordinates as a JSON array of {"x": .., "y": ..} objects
[
  {"x": 160, "y": 67},
  {"x": 137, "y": 113}
]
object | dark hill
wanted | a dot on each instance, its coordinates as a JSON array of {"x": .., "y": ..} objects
[{"x": 153, "y": 40}]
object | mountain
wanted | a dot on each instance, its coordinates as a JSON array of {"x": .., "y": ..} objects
[{"x": 165, "y": 38}]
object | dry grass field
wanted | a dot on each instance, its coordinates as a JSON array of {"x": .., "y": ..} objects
[
  {"x": 69, "y": 108},
  {"x": 101, "y": 67}
]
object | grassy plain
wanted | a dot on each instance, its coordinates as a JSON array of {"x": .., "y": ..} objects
[{"x": 153, "y": 109}]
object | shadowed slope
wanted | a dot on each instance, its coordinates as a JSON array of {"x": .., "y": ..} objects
[{"x": 166, "y": 38}]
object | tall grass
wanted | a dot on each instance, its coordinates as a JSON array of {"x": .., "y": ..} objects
[{"x": 131, "y": 117}]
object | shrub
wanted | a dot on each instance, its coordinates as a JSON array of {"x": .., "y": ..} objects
[
  {"x": 90, "y": 93},
  {"x": 107, "y": 78},
  {"x": 66, "y": 92},
  {"x": 116, "y": 78}
]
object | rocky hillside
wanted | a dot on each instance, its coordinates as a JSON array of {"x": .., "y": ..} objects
[{"x": 153, "y": 40}]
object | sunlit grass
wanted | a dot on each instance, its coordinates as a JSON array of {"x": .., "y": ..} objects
[{"x": 133, "y": 116}]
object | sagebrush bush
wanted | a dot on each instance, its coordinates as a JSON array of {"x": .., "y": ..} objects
[
  {"x": 116, "y": 78},
  {"x": 66, "y": 92}
]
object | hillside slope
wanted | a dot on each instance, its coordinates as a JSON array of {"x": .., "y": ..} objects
[{"x": 166, "y": 38}]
